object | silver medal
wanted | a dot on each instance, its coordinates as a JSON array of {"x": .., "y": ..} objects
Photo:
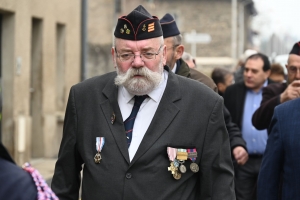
[
  {"x": 182, "y": 168},
  {"x": 194, "y": 167}
]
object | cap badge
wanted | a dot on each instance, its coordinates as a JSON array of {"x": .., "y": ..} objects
[
  {"x": 127, "y": 31},
  {"x": 122, "y": 30},
  {"x": 151, "y": 27},
  {"x": 144, "y": 28}
]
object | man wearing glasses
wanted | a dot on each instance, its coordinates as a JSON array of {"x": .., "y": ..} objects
[
  {"x": 175, "y": 50},
  {"x": 277, "y": 93},
  {"x": 141, "y": 133}
]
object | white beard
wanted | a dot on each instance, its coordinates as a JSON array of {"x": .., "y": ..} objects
[{"x": 143, "y": 85}]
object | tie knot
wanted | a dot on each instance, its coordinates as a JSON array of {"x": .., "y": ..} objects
[{"x": 140, "y": 99}]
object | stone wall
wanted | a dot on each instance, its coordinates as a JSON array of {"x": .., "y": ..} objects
[{"x": 40, "y": 62}]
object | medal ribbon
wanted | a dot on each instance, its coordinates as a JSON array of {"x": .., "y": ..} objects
[
  {"x": 100, "y": 143},
  {"x": 171, "y": 153},
  {"x": 192, "y": 155}
]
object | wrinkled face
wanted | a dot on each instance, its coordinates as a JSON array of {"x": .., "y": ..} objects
[
  {"x": 171, "y": 52},
  {"x": 254, "y": 75},
  {"x": 293, "y": 68},
  {"x": 139, "y": 64}
]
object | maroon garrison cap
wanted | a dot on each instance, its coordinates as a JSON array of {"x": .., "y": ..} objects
[
  {"x": 296, "y": 49},
  {"x": 138, "y": 25}
]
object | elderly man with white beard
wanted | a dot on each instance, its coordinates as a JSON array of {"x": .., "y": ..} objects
[{"x": 143, "y": 132}]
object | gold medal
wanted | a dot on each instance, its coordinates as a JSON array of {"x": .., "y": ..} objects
[
  {"x": 172, "y": 168},
  {"x": 177, "y": 175},
  {"x": 97, "y": 158}
]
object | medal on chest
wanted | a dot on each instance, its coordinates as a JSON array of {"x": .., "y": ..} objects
[{"x": 100, "y": 141}]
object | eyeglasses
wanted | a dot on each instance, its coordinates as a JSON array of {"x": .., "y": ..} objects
[
  {"x": 173, "y": 47},
  {"x": 145, "y": 56},
  {"x": 293, "y": 69}
]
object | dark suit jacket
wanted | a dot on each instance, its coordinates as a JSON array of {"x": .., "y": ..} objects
[
  {"x": 234, "y": 100},
  {"x": 234, "y": 132},
  {"x": 184, "y": 70},
  {"x": 281, "y": 164},
  {"x": 185, "y": 118},
  {"x": 15, "y": 183},
  {"x": 271, "y": 98}
]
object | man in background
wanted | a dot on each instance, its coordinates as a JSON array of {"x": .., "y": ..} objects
[
  {"x": 188, "y": 58},
  {"x": 278, "y": 93},
  {"x": 277, "y": 73},
  {"x": 239, "y": 73},
  {"x": 222, "y": 78},
  {"x": 172, "y": 37},
  {"x": 242, "y": 99},
  {"x": 175, "y": 49}
]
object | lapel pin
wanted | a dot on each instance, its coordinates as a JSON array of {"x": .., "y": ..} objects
[{"x": 113, "y": 118}]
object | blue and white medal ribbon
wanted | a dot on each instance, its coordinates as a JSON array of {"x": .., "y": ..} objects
[{"x": 100, "y": 141}]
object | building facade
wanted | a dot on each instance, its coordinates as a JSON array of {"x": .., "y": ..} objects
[
  {"x": 40, "y": 61},
  {"x": 212, "y": 17}
]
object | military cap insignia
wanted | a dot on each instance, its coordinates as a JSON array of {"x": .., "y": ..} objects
[
  {"x": 151, "y": 27},
  {"x": 144, "y": 28},
  {"x": 125, "y": 29}
]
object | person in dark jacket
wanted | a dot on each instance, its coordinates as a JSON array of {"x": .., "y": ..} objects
[
  {"x": 143, "y": 118},
  {"x": 15, "y": 183},
  {"x": 277, "y": 93},
  {"x": 175, "y": 49},
  {"x": 242, "y": 99},
  {"x": 279, "y": 176}
]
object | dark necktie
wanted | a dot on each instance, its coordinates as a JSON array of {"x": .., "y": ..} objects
[{"x": 129, "y": 122}]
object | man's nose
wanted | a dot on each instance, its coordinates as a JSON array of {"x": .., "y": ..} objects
[
  {"x": 298, "y": 74},
  {"x": 248, "y": 73},
  {"x": 138, "y": 61}
]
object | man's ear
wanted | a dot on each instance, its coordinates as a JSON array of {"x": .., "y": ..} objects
[
  {"x": 179, "y": 51},
  {"x": 164, "y": 55},
  {"x": 113, "y": 55}
]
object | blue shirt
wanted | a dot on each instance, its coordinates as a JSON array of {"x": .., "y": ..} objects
[{"x": 256, "y": 140}]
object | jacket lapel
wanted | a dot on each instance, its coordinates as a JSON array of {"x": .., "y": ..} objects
[
  {"x": 241, "y": 96},
  {"x": 110, "y": 107},
  {"x": 164, "y": 115}
]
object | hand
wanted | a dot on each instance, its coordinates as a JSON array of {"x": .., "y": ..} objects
[
  {"x": 240, "y": 155},
  {"x": 291, "y": 92}
]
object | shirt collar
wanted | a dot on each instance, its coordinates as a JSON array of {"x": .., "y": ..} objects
[
  {"x": 174, "y": 68},
  {"x": 260, "y": 90}
]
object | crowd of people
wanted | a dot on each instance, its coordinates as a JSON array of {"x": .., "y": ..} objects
[{"x": 158, "y": 128}]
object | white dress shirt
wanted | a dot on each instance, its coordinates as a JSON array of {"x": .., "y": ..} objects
[
  {"x": 145, "y": 113},
  {"x": 174, "y": 68}
]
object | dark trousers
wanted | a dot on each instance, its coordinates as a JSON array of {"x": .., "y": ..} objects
[{"x": 246, "y": 178}]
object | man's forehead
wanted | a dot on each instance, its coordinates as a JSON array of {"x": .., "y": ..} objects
[
  {"x": 254, "y": 63},
  {"x": 294, "y": 60},
  {"x": 168, "y": 40}
]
